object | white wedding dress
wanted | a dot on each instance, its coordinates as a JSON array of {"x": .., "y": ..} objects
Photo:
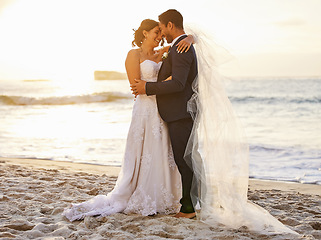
[{"x": 149, "y": 181}]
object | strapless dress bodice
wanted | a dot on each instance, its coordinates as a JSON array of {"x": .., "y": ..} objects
[{"x": 149, "y": 70}]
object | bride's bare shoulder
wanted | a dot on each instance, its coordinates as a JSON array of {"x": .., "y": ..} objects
[
  {"x": 133, "y": 58},
  {"x": 134, "y": 54}
]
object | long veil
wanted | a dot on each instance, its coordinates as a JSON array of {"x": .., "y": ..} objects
[{"x": 218, "y": 151}]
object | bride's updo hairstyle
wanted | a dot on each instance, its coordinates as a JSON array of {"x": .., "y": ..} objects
[{"x": 147, "y": 25}]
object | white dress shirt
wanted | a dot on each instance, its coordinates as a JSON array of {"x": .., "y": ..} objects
[{"x": 172, "y": 44}]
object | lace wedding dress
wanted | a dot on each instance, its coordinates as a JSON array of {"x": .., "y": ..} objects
[{"x": 149, "y": 181}]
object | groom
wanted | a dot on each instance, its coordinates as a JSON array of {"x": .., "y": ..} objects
[{"x": 172, "y": 96}]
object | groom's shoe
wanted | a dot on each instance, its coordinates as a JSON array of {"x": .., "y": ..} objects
[{"x": 185, "y": 215}]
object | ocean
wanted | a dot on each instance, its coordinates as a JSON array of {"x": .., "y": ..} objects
[{"x": 88, "y": 121}]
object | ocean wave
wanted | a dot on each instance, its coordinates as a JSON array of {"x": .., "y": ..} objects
[
  {"x": 63, "y": 100},
  {"x": 275, "y": 100},
  {"x": 291, "y": 149},
  {"x": 36, "y": 80},
  {"x": 285, "y": 163}
]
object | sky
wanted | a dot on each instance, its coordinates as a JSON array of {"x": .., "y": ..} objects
[{"x": 52, "y": 39}]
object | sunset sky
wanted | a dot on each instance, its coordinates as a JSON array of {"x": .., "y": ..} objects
[{"x": 72, "y": 38}]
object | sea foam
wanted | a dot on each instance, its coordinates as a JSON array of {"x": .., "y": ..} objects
[{"x": 63, "y": 100}]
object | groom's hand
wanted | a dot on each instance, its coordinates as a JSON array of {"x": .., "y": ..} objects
[{"x": 138, "y": 87}]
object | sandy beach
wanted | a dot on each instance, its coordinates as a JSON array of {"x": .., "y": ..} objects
[{"x": 34, "y": 193}]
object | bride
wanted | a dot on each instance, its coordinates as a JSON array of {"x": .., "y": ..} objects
[{"x": 149, "y": 182}]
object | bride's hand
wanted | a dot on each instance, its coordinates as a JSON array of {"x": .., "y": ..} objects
[
  {"x": 185, "y": 44},
  {"x": 164, "y": 49},
  {"x": 167, "y": 79},
  {"x": 160, "y": 53}
]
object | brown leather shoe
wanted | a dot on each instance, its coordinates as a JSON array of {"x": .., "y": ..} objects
[{"x": 185, "y": 215}]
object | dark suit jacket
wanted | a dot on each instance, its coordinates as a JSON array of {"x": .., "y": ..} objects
[{"x": 172, "y": 96}]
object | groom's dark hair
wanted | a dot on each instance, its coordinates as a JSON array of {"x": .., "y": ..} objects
[{"x": 172, "y": 15}]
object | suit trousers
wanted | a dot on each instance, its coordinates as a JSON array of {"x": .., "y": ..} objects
[{"x": 179, "y": 132}]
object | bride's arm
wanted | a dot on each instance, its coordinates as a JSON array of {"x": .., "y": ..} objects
[
  {"x": 185, "y": 44},
  {"x": 132, "y": 65},
  {"x": 167, "y": 79}
]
